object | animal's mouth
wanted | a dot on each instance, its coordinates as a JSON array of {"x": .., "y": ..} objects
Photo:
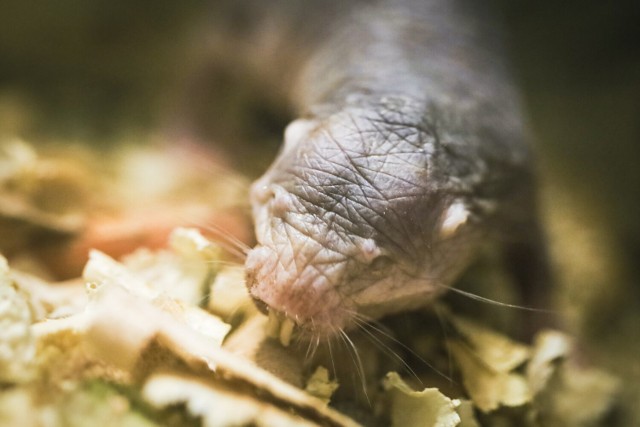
[
  {"x": 298, "y": 287},
  {"x": 285, "y": 328}
]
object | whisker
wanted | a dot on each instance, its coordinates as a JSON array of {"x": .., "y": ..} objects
[
  {"x": 371, "y": 324},
  {"x": 436, "y": 310},
  {"x": 490, "y": 301},
  {"x": 333, "y": 363},
  {"x": 308, "y": 352},
  {"x": 357, "y": 361},
  {"x": 230, "y": 238},
  {"x": 230, "y": 247},
  {"x": 353, "y": 381},
  {"x": 313, "y": 344},
  {"x": 223, "y": 237},
  {"x": 315, "y": 347},
  {"x": 389, "y": 352},
  {"x": 369, "y": 320}
]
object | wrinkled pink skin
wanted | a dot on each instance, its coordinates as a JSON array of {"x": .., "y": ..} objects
[
  {"x": 411, "y": 153},
  {"x": 345, "y": 234}
]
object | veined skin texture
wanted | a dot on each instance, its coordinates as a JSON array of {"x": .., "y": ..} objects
[{"x": 409, "y": 153}]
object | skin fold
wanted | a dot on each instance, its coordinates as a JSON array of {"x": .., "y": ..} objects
[{"x": 408, "y": 154}]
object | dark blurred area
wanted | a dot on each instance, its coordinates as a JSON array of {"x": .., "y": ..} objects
[
  {"x": 93, "y": 70},
  {"x": 100, "y": 71},
  {"x": 80, "y": 69},
  {"x": 579, "y": 65}
]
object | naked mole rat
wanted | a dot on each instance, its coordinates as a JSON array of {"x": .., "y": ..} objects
[{"x": 408, "y": 154}]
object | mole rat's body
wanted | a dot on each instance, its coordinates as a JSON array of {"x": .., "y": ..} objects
[{"x": 408, "y": 154}]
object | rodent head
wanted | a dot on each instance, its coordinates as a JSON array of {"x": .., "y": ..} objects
[{"x": 354, "y": 218}]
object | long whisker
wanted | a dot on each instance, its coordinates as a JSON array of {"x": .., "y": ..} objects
[
  {"x": 333, "y": 363},
  {"x": 313, "y": 346},
  {"x": 307, "y": 354},
  {"x": 436, "y": 310},
  {"x": 298, "y": 339},
  {"x": 435, "y": 282},
  {"x": 232, "y": 248},
  {"x": 224, "y": 238},
  {"x": 388, "y": 351},
  {"x": 353, "y": 380},
  {"x": 363, "y": 322},
  {"x": 490, "y": 301},
  {"x": 228, "y": 237},
  {"x": 357, "y": 361}
]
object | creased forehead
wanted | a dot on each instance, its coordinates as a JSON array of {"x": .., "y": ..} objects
[
  {"x": 304, "y": 232},
  {"x": 365, "y": 177}
]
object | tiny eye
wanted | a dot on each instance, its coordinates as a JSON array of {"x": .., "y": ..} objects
[{"x": 380, "y": 264}]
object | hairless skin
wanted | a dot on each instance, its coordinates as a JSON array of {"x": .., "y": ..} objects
[{"x": 408, "y": 154}]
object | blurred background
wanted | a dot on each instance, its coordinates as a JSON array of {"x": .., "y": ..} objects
[
  {"x": 95, "y": 70},
  {"x": 100, "y": 72}
]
